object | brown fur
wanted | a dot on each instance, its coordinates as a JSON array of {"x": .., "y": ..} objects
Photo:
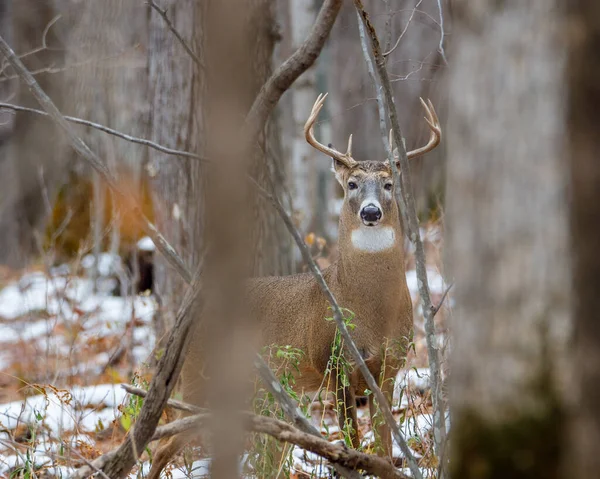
[{"x": 292, "y": 311}]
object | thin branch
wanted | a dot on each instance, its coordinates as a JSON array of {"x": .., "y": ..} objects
[
  {"x": 435, "y": 309},
  {"x": 163, "y": 13},
  {"x": 300, "y": 61},
  {"x": 291, "y": 410},
  {"x": 174, "y": 403},
  {"x": 336, "y": 453},
  {"x": 389, "y": 52},
  {"x": 390, "y": 155},
  {"x": 110, "y": 131},
  {"x": 93, "y": 160},
  {"x": 442, "y": 33},
  {"x": 407, "y": 202}
]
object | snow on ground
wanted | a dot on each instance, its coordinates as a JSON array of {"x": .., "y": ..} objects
[{"x": 65, "y": 329}]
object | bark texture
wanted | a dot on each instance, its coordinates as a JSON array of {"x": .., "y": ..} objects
[
  {"x": 177, "y": 87},
  {"x": 507, "y": 238},
  {"x": 584, "y": 98}
]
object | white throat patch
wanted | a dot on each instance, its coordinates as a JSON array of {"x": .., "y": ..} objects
[{"x": 373, "y": 239}]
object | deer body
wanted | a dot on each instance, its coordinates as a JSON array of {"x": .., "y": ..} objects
[
  {"x": 368, "y": 279},
  {"x": 371, "y": 284}
]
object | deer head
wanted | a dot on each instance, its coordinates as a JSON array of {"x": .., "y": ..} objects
[{"x": 368, "y": 185}]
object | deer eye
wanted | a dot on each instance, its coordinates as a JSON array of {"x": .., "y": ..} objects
[
  {"x": 352, "y": 185},
  {"x": 388, "y": 186}
]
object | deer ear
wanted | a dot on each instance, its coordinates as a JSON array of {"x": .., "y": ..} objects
[
  {"x": 396, "y": 158},
  {"x": 339, "y": 169}
]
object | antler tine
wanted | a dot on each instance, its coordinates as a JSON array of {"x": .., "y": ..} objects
[
  {"x": 344, "y": 158},
  {"x": 436, "y": 131}
]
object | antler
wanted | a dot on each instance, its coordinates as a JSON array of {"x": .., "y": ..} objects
[
  {"x": 344, "y": 158},
  {"x": 436, "y": 132}
]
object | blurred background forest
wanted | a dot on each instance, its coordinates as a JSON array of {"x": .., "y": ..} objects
[{"x": 87, "y": 302}]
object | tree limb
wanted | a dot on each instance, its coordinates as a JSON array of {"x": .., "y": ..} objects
[
  {"x": 407, "y": 202},
  {"x": 334, "y": 452},
  {"x": 290, "y": 408},
  {"x": 288, "y": 72},
  {"x": 110, "y": 131},
  {"x": 163, "y": 13}
]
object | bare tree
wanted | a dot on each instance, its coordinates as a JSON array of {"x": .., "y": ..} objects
[
  {"x": 507, "y": 239},
  {"x": 583, "y": 146},
  {"x": 176, "y": 83}
]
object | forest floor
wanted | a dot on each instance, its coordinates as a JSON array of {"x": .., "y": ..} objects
[{"x": 67, "y": 343}]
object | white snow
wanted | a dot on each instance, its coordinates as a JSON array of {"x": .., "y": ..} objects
[
  {"x": 146, "y": 244},
  {"x": 435, "y": 279},
  {"x": 65, "y": 410}
]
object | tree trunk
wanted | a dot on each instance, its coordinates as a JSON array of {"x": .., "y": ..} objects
[
  {"x": 178, "y": 92},
  {"x": 583, "y": 146},
  {"x": 507, "y": 241}
]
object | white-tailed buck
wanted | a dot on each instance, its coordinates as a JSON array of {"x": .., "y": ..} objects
[{"x": 368, "y": 279}]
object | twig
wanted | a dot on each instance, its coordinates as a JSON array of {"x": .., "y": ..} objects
[
  {"x": 292, "y": 411},
  {"x": 334, "y": 452},
  {"x": 163, "y": 13},
  {"x": 442, "y": 33},
  {"x": 341, "y": 325},
  {"x": 89, "y": 463},
  {"x": 435, "y": 309},
  {"x": 383, "y": 129},
  {"x": 391, "y": 50},
  {"x": 110, "y": 131},
  {"x": 300, "y": 61},
  {"x": 93, "y": 160},
  {"x": 407, "y": 202},
  {"x": 174, "y": 403},
  {"x": 160, "y": 389}
]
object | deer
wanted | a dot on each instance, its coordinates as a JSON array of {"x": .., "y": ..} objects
[{"x": 367, "y": 279}]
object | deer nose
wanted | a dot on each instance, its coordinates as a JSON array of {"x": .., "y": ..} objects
[{"x": 370, "y": 213}]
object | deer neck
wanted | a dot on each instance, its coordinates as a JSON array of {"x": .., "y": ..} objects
[{"x": 370, "y": 258}]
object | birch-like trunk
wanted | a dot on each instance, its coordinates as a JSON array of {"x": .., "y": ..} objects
[
  {"x": 302, "y": 16},
  {"x": 507, "y": 242}
]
